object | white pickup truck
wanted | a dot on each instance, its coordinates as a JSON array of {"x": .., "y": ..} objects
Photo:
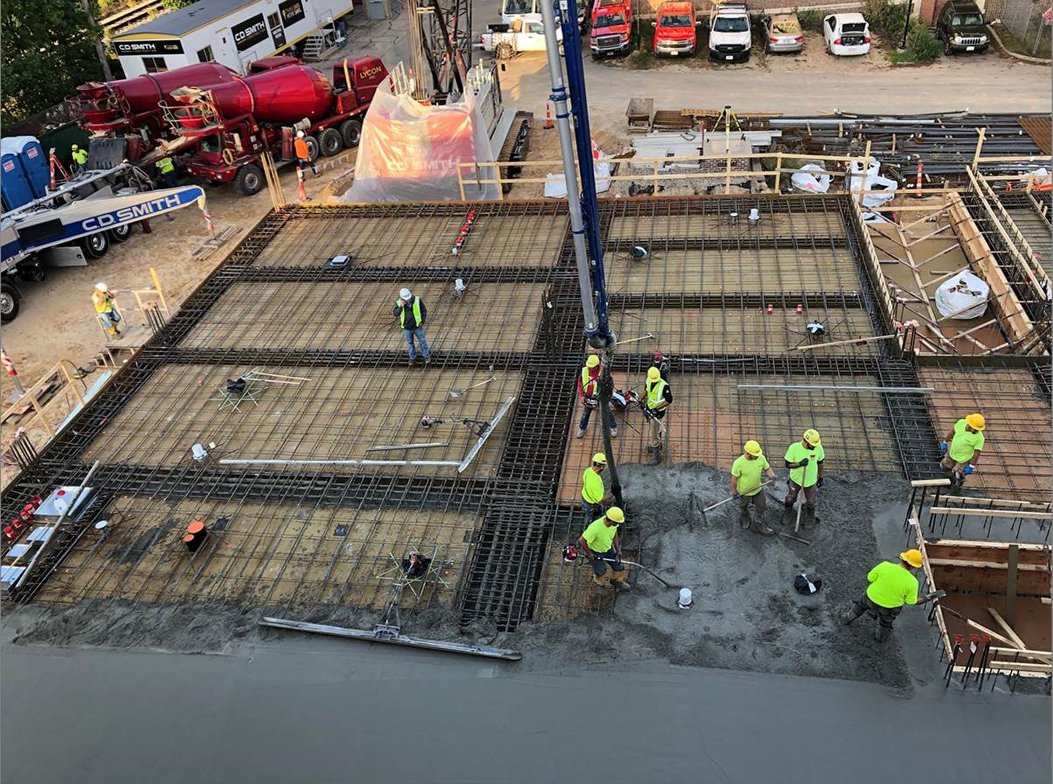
[{"x": 522, "y": 35}]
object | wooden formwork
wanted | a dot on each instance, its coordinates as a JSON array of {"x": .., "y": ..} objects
[
  {"x": 711, "y": 418},
  {"x": 1016, "y": 455},
  {"x": 727, "y": 331},
  {"x": 501, "y": 241},
  {"x": 262, "y": 554},
  {"x": 997, "y": 598},
  {"x": 338, "y": 414},
  {"x": 717, "y": 271},
  {"x": 358, "y": 315}
]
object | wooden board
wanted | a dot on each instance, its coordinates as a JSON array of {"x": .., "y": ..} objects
[{"x": 801, "y": 225}]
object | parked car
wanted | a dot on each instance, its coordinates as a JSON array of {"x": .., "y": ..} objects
[
  {"x": 962, "y": 27},
  {"x": 730, "y": 34},
  {"x": 506, "y": 41},
  {"x": 846, "y": 35},
  {"x": 675, "y": 33},
  {"x": 612, "y": 28},
  {"x": 782, "y": 33}
]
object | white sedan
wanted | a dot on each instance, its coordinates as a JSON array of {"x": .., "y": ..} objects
[{"x": 846, "y": 34}]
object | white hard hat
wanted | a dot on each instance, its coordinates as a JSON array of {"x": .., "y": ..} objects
[
  {"x": 102, "y": 287},
  {"x": 406, "y": 294},
  {"x": 299, "y": 134}
]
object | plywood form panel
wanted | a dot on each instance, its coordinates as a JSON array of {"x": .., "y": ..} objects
[
  {"x": 716, "y": 331},
  {"x": 338, "y": 414},
  {"x": 358, "y": 315},
  {"x": 265, "y": 554},
  {"x": 715, "y": 271},
  {"x": 1016, "y": 456},
  {"x": 527, "y": 240},
  {"x": 711, "y": 419}
]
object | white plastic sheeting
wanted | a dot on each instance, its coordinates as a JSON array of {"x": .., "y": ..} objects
[
  {"x": 810, "y": 178},
  {"x": 556, "y": 183},
  {"x": 963, "y": 296},
  {"x": 409, "y": 152},
  {"x": 870, "y": 179}
]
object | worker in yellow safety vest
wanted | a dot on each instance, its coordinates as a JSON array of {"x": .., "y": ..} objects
[
  {"x": 891, "y": 586},
  {"x": 80, "y": 158},
  {"x": 658, "y": 396},
  {"x": 746, "y": 485},
  {"x": 411, "y": 313},
  {"x": 593, "y": 493},
  {"x": 106, "y": 308},
  {"x": 599, "y": 541},
  {"x": 962, "y": 447},
  {"x": 805, "y": 458},
  {"x": 589, "y": 391},
  {"x": 166, "y": 168}
]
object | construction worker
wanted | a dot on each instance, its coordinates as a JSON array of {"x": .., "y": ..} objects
[
  {"x": 746, "y": 485},
  {"x": 303, "y": 152},
  {"x": 411, "y": 313},
  {"x": 589, "y": 390},
  {"x": 891, "y": 586},
  {"x": 80, "y": 158},
  {"x": 658, "y": 396},
  {"x": 593, "y": 492},
  {"x": 166, "y": 169},
  {"x": 661, "y": 361},
  {"x": 805, "y": 458},
  {"x": 106, "y": 308},
  {"x": 962, "y": 447},
  {"x": 599, "y": 542}
]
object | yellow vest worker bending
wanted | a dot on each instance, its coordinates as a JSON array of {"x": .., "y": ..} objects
[
  {"x": 600, "y": 543},
  {"x": 962, "y": 447},
  {"x": 890, "y": 587}
]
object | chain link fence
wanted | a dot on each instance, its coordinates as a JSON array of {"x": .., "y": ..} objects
[{"x": 1027, "y": 20}]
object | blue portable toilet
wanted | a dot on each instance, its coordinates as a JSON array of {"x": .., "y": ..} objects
[
  {"x": 34, "y": 164},
  {"x": 14, "y": 183}
]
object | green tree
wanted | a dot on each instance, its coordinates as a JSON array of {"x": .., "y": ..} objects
[{"x": 48, "y": 49}]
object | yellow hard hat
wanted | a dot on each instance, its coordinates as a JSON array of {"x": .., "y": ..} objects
[
  {"x": 653, "y": 374},
  {"x": 600, "y": 458},
  {"x": 753, "y": 448},
  {"x": 616, "y": 514},
  {"x": 912, "y": 557},
  {"x": 976, "y": 421},
  {"x": 592, "y": 361},
  {"x": 74, "y": 147},
  {"x": 812, "y": 436}
]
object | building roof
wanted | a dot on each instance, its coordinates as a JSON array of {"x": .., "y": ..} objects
[{"x": 176, "y": 23}]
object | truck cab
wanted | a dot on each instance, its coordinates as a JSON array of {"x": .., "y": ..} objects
[
  {"x": 730, "y": 33},
  {"x": 675, "y": 31},
  {"x": 962, "y": 27},
  {"x": 612, "y": 28}
]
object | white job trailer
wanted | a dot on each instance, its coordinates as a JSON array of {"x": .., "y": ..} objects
[{"x": 231, "y": 32}]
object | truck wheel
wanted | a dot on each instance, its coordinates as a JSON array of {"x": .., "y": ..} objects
[
  {"x": 121, "y": 233},
  {"x": 31, "y": 270},
  {"x": 10, "y": 301},
  {"x": 96, "y": 245},
  {"x": 249, "y": 180},
  {"x": 312, "y": 147},
  {"x": 331, "y": 142},
  {"x": 504, "y": 51},
  {"x": 351, "y": 132}
]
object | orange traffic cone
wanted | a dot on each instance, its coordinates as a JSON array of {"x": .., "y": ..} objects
[
  {"x": 549, "y": 125},
  {"x": 301, "y": 190}
]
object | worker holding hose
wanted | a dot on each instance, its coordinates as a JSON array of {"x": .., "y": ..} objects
[
  {"x": 805, "y": 458},
  {"x": 747, "y": 488},
  {"x": 600, "y": 543},
  {"x": 962, "y": 448}
]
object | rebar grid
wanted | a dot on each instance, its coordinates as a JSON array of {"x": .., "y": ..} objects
[{"x": 1016, "y": 458}]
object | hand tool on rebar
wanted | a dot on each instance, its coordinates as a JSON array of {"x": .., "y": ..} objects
[
  {"x": 457, "y": 392},
  {"x": 980, "y": 628},
  {"x": 648, "y": 336}
]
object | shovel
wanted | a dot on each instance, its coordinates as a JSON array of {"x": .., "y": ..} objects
[{"x": 456, "y": 393}]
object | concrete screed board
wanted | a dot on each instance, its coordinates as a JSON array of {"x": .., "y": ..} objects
[{"x": 232, "y": 32}]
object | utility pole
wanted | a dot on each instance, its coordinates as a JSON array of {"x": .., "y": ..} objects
[
  {"x": 582, "y": 206},
  {"x": 100, "y": 50}
]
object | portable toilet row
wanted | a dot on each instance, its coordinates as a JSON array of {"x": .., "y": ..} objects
[{"x": 24, "y": 171}]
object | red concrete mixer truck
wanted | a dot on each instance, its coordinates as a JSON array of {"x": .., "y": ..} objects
[
  {"x": 237, "y": 121},
  {"x": 132, "y": 107}
]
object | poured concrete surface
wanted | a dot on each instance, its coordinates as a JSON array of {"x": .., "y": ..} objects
[{"x": 320, "y": 710}]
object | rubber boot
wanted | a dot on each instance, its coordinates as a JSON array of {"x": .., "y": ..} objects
[
  {"x": 853, "y": 612},
  {"x": 614, "y": 432},
  {"x": 656, "y": 457},
  {"x": 744, "y": 520},
  {"x": 881, "y": 633}
]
